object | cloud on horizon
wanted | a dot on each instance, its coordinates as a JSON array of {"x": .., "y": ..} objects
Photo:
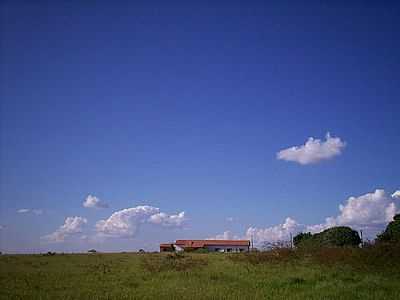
[
  {"x": 227, "y": 235},
  {"x": 369, "y": 212},
  {"x": 71, "y": 226},
  {"x": 313, "y": 151},
  {"x": 280, "y": 232}
]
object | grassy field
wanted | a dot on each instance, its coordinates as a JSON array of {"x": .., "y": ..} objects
[{"x": 284, "y": 274}]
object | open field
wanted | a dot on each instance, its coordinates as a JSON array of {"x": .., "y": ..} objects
[{"x": 282, "y": 274}]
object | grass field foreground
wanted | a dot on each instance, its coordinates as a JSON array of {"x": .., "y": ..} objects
[{"x": 372, "y": 273}]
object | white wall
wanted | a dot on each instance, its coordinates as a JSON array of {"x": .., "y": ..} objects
[{"x": 226, "y": 248}]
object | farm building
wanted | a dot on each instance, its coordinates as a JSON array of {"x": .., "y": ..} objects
[{"x": 210, "y": 245}]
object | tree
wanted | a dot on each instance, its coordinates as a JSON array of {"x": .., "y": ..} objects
[
  {"x": 301, "y": 238},
  {"x": 392, "y": 231},
  {"x": 340, "y": 236}
]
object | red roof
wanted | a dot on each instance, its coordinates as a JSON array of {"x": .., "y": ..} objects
[{"x": 203, "y": 243}]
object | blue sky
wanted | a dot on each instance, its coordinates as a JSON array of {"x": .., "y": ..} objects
[{"x": 184, "y": 107}]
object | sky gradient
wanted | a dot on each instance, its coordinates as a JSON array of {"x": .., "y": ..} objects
[{"x": 184, "y": 108}]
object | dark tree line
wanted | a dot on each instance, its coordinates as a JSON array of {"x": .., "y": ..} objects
[{"x": 343, "y": 236}]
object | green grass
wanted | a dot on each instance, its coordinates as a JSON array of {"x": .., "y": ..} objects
[{"x": 285, "y": 274}]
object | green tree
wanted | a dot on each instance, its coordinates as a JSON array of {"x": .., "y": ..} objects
[
  {"x": 392, "y": 231},
  {"x": 301, "y": 238},
  {"x": 340, "y": 236}
]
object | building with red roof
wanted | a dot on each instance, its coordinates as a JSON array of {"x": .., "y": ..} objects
[{"x": 210, "y": 245}]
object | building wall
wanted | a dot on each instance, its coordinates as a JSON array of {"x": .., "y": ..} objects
[
  {"x": 167, "y": 248},
  {"x": 227, "y": 248}
]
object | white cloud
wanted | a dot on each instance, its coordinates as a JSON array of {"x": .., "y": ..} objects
[
  {"x": 329, "y": 222},
  {"x": 230, "y": 219},
  {"x": 280, "y": 232},
  {"x": 94, "y": 202},
  {"x": 313, "y": 151},
  {"x": 396, "y": 194},
  {"x": 29, "y": 210},
  {"x": 71, "y": 226},
  {"x": 126, "y": 222},
  {"x": 167, "y": 220},
  {"x": 368, "y": 211},
  {"x": 227, "y": 235}
]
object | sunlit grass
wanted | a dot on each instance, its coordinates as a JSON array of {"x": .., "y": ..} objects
[{"x": 328, "y": 274}]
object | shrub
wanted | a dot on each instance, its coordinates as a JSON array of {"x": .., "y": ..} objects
[
  {"x": 171, "y": 262},
  {"x": 201, "y": 250},
  {"x": 281, "y": 255}
]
